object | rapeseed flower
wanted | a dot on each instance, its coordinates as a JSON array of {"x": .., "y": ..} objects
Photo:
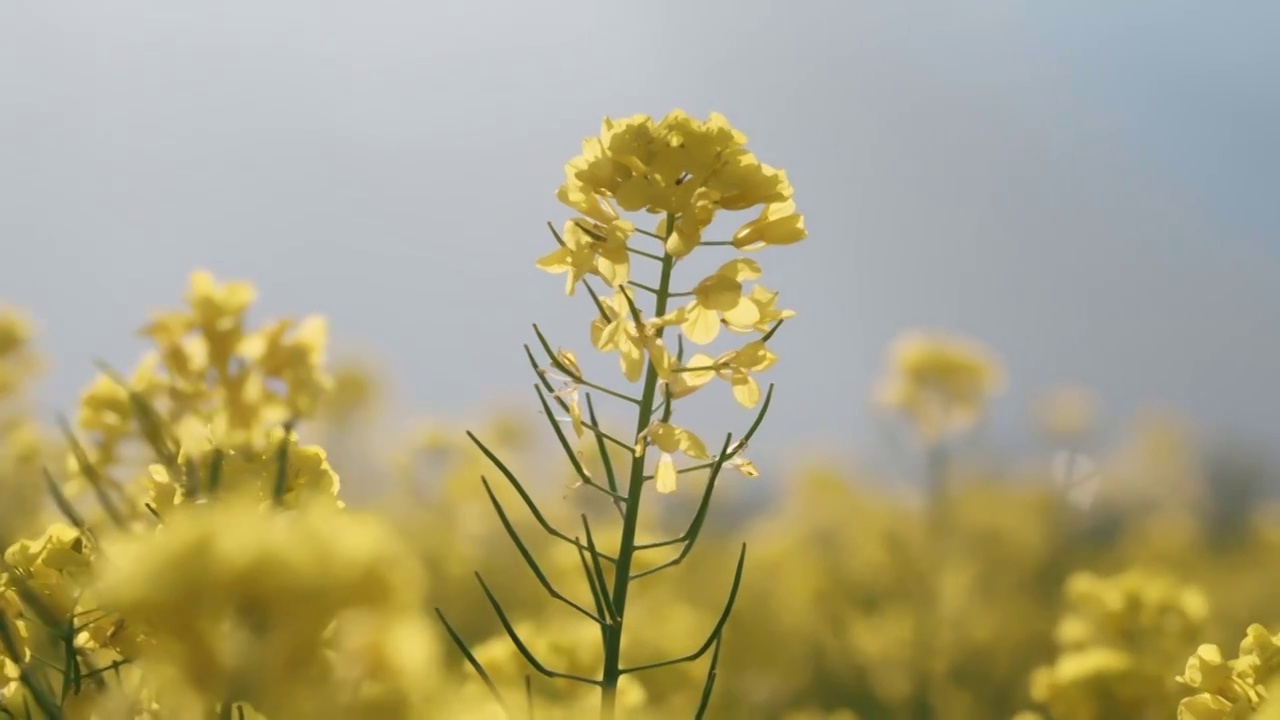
[
  {"x": 718, "y": 297},
  {"x": 242, "y": 601},
  {"x": 940, "y": 383},
  {"x": 669, "y": 439},
  {"x": 618, "y": 332}
]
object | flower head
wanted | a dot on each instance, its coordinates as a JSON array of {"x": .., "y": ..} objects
[
  {"x": 670, "y": 439},
  {"x": 939, "y": 382}
]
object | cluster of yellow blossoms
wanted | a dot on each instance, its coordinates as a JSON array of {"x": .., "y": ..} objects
[
  {"x": 314, "y": 613},
  {"x": 210, "y": 402},
  {"x": 189, "y": 604},
  {"x": 685, "y": 172},
  {"x": 1117, "y": 639},
  {"x": 1233, "y": 689}
]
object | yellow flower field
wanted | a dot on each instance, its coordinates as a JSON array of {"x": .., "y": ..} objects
[{"x": 187, "y": 543}]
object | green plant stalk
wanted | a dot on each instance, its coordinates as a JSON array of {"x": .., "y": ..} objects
[
  {"x": 936, "y": 538},
  {"x": 630, "y": 521}
]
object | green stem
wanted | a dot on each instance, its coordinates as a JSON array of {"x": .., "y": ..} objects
[
  {"x": 630, "y": 521},
  {"x": 928, "y": 621}
]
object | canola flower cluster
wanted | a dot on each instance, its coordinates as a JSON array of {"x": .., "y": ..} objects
[
  {"x": 178, "y": 550},
  {"x": 1117, "y": 638},
  {"x": 1234, "y": 688}
]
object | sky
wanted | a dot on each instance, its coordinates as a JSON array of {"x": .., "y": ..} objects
[{"x": 1089, "y": 189}]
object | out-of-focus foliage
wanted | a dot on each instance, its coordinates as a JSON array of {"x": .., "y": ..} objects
[
  {"x": 187, "y": 549},
  {"x": 1045, "y": 608},
  {"x": 23, "y": 444}
]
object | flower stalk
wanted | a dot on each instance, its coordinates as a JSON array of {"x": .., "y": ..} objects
[{"x": 684, "y": 171}]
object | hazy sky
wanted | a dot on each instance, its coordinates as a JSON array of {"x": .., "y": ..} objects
[{"x": 1090, "y": 190}]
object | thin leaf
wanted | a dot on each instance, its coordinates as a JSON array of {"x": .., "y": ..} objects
[
  {"x": 149, "y": 419},
  {"x": 715, "y": 632},
  {"x": 596, "y": 299},
  {"x": 564, "y": 406},
  {"x": 569, "y": 452},
  {"x": 710, "y": 683},
  {"x": 44, "y": 700},
  {"x": 215, "y": 470},
  {"x": 610, "y": 476},
  {"x": 524, "y": 495},
  {"x": 91, "y": 474},
  {"x": 597, "y": 596},
  {"x": 528, "y": 695},
  {"x": 528, "y": 556},
  {"x": 690, "y": 535},
  {"x": 63, "y": 503},
  {"x": 282, "y": 464},
  {"x": 521, "y": 647},
  {"x": 475, "y": 664},
  {"x": 605, "y": 597},
  {"x": 555, "y": 363}
]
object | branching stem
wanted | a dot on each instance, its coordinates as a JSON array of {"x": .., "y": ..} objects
[{"x": 630, "y": 521}]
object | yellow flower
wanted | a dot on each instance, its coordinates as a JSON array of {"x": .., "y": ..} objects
[
  {"x": 686, "y": 232},
  {"x": 766, "y": 306},
  {"x": 1211, "y": 707},
  {"x": 207, "y": 382},
  {"x": 580, "y": 197},
  {"x": 296, "y": 359},
  {"x": 569, "y": 390},
  {"x": 52, "y": 565},
  {"x": 599, "y": 249},
  {"x": 941, "y": 383},
  {"x": 218, "y": 311},
  {"x": 679, "y": 165},
  {"x": 237, "y": 600},
  {"x": 719, "y": 296},
  {"x": 105, "y": 407},
  {"x": 576, "y": 258},
  {"x": 688, "y": 149},
  {"x": 253, "y": 473},
  {"x": 737, "y": 368},
  {"x": 619, "y": 334},
  {"x": 670, "y": 439},
  {"x": 778, "y": 224},
  {"x": 741, "y": 181},
  {"x": 678, "y": 382}
]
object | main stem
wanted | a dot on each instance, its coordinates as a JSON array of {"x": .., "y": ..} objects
[
  {"x": 929, "y": 625},
  {"x": 630, "y": 520}
]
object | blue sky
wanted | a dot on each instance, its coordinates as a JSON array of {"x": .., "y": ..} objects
[{"x": 1088, "y": 189}]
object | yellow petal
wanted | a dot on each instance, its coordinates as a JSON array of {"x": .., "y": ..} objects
[
  {"x": 631, "y": 358},
  {"x": 740, "y": 269},
  {"x": 556, "y": 261},
  {"x": 700, "y": 325},
  {"x": 1204, "y": 707},
  {"x": 744, "y": 315},
  {"x": 745, "y": 390},
  {"x": 682, "y": 241},
  {"x": 611, "y": 335},
  {"x": 665, "y": 476},
  {"x": 575, "y": 414},
  {"x": 701, "y": 376},
  {"x": 664, "y": 436},
  {"x": 692, "y": 445}
]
